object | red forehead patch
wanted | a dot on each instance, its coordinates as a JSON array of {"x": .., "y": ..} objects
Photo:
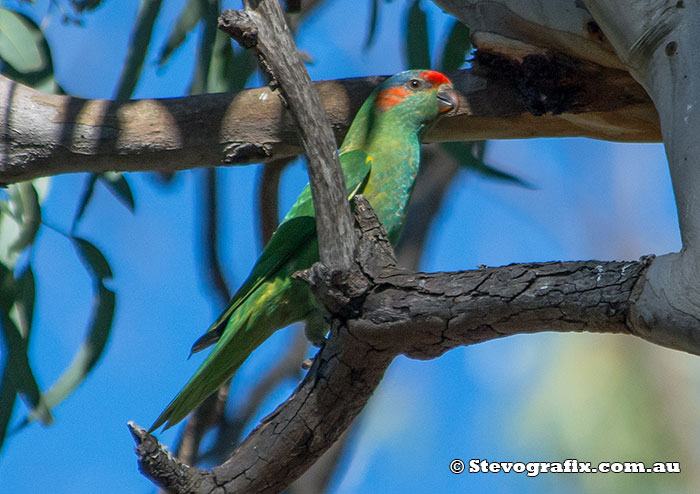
[{"x": 436, "y": 78}]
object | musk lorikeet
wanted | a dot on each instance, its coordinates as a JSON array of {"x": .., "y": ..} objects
[{"x": 380, "y": 157}]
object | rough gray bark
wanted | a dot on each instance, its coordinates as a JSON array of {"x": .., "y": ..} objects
[
  {"x": 386, "y": 311},
  {"x": 654, "y": 40},
  {"x": 383, "y": 311}
]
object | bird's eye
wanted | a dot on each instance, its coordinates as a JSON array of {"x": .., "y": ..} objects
[{"x": 415, "y": 83}]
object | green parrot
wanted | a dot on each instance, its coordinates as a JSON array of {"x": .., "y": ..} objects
[{"x": 380, "y": 157}]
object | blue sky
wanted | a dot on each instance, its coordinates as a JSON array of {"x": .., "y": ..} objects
[{"x": 593, "y": 200}]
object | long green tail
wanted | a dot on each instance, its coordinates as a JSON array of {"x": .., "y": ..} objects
[{"x": 269, "y": 308}]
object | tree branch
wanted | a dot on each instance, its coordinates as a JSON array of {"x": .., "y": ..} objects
[
  {"x": 262, "y": 27},
  {"x": 44, "y": 134},
  {"x": 382, "y": 311},
  {"x": 317, "y": 478},
  {"x": 657, "y": 41}
]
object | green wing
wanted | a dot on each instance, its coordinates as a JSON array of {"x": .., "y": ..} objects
[
  {"x": 293, "y": 234},
  {"x": 296, "y": 229}
]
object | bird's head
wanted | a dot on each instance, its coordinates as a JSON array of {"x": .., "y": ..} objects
[
  {"x": 410, "y": 100},
  {"x": 422, "y": 94}
]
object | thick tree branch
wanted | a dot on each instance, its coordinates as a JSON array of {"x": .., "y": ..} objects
[
  {"x": 317, "y": 478},
  {"x": 382, "y": 311},
  {"x": 262, "y": 27},
  {"x": 657, "y": 40},
  {"x": 540, "y": 55},
  {"x": 44, "y": 134}
]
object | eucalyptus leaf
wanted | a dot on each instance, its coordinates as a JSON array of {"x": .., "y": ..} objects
[
  {"x": 457, "y": 47},
  {"x": 42, "y": 76},
  {"x": 20, "y": 42},
  {"x": 27, "y": 295},
  {"x": 117, "y": 184},
  {"x": 20, "y": 217},
  {"x": 138, "y": 47},
  {"x": 229, "y": 70},
  {"x": 93, "y": 259},
  {"x": 22, "y": 311},
  {"x": 20, "y": 372},
  {"x": 8, "y": 288},
  {"x": 470, "y": 155},
  {"x": 187, "y": 20},
  {"x": 8, "y": 397},
  {"x": 373, "y": 21},
  {"x": 205, "y": 48},
  {"x": 82, "y": 5},
  {"x": 27, "y": 204},
  {"x": 417, "y": 46},
  {"x": 85, "y": 197},
  {"x": 88, "y": 354},
  {"x": 10, "y": 228}
]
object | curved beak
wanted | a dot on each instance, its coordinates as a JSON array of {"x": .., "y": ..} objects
[{"x": 447, "y": 99}]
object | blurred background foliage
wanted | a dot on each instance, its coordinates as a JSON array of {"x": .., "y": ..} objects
[{"x": 643, "y": 408}]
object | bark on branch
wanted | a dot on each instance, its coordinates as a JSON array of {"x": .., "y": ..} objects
[
  {"x": 262, "y": 28},
  {"x": 502, "y": 97},
  {"x": 382, "y": 311}
]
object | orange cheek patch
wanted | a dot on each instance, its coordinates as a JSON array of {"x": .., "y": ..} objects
[
  {"x": 391, "y": 97},
  {"x": 436, "y": 78}
]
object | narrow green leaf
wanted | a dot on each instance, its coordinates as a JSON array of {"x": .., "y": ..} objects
[
  {"x": 20, "y": 42},
  {"x": 47, "y": 85},
  {"x": 42, "y": 78},
  {"x": 138, "y": 47},
  {"x": 10, "y": 227},
  {"x": 456, "y": 49},
  {"x": 21, "y": 309},
  {"x": 85, "y": 197},
  {"x": 28, "y": 207},
  {"x": 417, "y": 45},
  {"x": 470, "y": 155},
  {"x": 83, "y": 5},
  {"x": 8, "y": 288},
  {"x": 8, "y": 390},
  {"x": 20, "y": 372},
  {"x": 373, "y": 19},
  {"x": 187, "y": 20},
  {"x": 89, "y": 352},
  {"x": 8, "y": 396},
  {"x": 205, "y": 47},
  {"x": 24, "y": 304},
  {"x": 119, "y": 187},
  {"x": 92, "y": 258},
  {"x": 229, "y": 71}
]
